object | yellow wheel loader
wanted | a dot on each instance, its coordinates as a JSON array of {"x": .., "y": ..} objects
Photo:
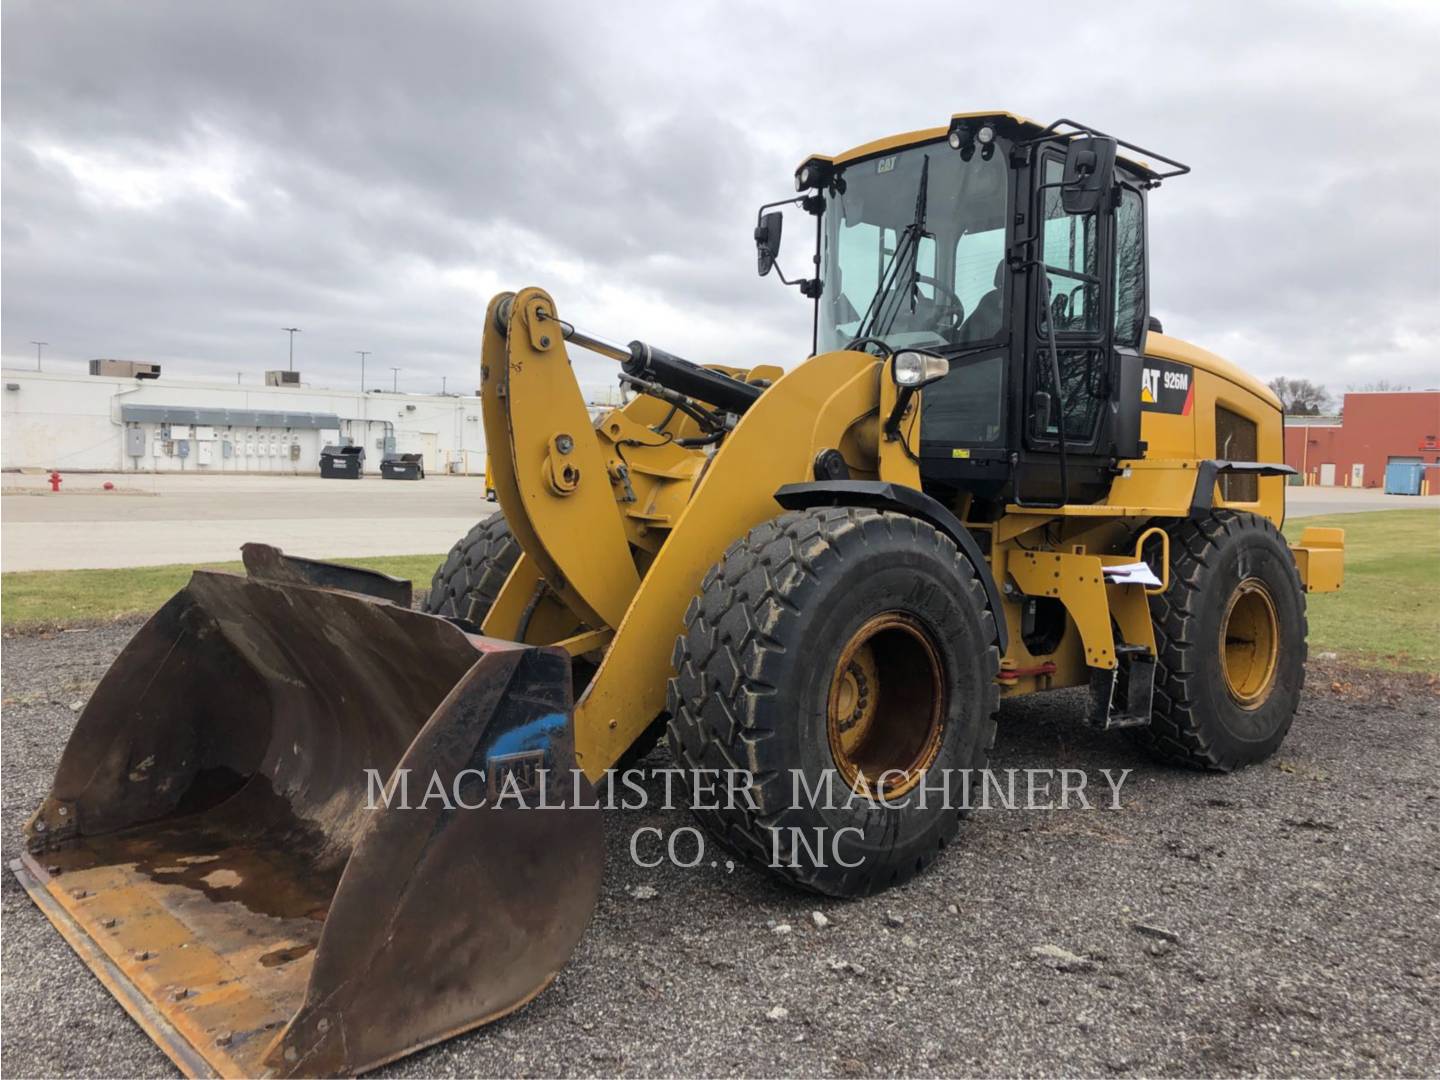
[{"x": 303, "y": 829}]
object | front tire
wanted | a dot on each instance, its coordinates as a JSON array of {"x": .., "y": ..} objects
[
  {"x": 841, "y": 643},
  {"x": 1230, "y": 633}
]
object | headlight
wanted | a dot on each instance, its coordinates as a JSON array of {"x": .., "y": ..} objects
[
  {"x": 985, "y": 135},
  {"x": 916, "y": 369}
]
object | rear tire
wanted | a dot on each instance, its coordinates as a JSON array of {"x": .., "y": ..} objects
[
  {"x": 840, "y": 642},
  {"x": 1230, "y": 633}
]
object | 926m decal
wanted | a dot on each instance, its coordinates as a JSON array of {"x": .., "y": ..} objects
[{"x": 1167, "y": 387}]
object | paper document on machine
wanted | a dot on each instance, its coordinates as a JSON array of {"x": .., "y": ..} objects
[{"x": 1135, "y": 573}]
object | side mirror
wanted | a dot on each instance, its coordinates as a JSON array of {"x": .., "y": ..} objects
[
  {"x": 767, "y": 241},
  {"x": 1089, "y": 173}
]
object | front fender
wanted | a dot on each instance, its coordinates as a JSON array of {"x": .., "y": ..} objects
[{"x": 880, "y": 495}]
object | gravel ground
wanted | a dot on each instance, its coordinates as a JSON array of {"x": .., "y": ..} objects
[{"x": 1303, "y": 897}]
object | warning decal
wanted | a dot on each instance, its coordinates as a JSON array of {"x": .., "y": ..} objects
[{"x": 1167, "y": 387}]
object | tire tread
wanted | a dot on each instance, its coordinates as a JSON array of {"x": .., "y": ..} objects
[
  {"x": 1177, "y": 729},
  {"x": 737, "y": 631}
]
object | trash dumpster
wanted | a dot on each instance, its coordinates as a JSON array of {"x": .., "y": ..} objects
[
  {"x": 403, "y": 467},
  {"x": 1404, "y": 477},
  {"x": 342, "y": 462}
]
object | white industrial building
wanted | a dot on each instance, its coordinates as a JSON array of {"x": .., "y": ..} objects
[{"x": 105, "y": 424}]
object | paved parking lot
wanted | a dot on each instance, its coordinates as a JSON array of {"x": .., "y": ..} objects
[
  {"x": 152, "y": 520},
  {"x": 1301, "y": 502}
]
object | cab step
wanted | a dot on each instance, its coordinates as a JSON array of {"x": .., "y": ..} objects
[{"x": 1121, "y": 696}]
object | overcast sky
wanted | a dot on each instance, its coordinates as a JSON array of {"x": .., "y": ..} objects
[{"x": 182, "y": 179}]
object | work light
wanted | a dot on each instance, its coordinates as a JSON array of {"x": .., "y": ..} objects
[{"x": 917, "y": 369}]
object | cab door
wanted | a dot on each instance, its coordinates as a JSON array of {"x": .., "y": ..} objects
[{"x": 1095, "y": 304}]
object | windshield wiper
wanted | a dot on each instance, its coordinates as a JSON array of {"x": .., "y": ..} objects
[{"x": 877, "y": 322}]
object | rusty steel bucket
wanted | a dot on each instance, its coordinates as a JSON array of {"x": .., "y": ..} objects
[{"x": 245, "y": 840}]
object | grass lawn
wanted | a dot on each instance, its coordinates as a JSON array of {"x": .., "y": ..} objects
[
  {"x": 1388, "y": 613},
  {"x": 41, "y": 599}
]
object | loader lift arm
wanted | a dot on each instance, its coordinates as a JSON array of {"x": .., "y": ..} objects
[{"x": 580, "y": 536}]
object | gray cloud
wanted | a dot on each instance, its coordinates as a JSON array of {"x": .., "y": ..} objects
[{"x": 180, "y": 180}]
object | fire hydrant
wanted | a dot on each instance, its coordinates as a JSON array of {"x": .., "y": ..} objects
[{"x": 54, "y": 480}]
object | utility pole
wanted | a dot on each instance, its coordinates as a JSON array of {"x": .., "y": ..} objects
[
  {"x": 442, "y": 385},
  {"x": 363, "y": 353},
  {"x": 237, "y": 378},
  {"x": 292, "y": 331},
  {"x": 38, "y": 346},
  {"x": 395, "y": 382}
]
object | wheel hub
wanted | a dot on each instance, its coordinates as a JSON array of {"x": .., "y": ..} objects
[
  {"x": 886, "y": 705},
  {"x": 1250, "y": 643}
]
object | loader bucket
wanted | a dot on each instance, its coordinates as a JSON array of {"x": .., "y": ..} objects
[{"x": 289, "y": 832}]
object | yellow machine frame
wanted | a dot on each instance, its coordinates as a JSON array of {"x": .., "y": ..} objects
[{"x": 619, "y": 526}]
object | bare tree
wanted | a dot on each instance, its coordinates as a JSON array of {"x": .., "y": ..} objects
[{"x": 1301, "y": 397}]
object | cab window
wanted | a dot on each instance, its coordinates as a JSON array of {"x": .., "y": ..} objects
[
  {"x": 1082, "y": 382},
  {"x": 863, "y": 251},
  {"x": 1070, "y": 250},
  {"x": 967, "y": 406},
  {"x": 1129, "y": 269},
  {"x": 979, "y": 266}
]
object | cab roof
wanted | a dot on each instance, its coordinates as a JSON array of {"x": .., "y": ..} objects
[{"x": 1018, "y": 125}]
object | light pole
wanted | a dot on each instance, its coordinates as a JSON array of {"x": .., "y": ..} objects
[
  {"x": 292, "y": 331},
  {"x": 362, "y": 353},
  {"x": 395, "y": 381},
  {"x": 38, "y": 346}
]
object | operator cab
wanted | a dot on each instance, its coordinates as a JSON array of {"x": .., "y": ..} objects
[{"x": 1016, "y": 252}]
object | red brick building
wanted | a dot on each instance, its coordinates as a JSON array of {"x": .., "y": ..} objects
[{"x": 1374, "y": 429}]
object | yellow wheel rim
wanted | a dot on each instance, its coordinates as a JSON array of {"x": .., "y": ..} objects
[
  {"x": 886, "y": 706},
  {"x": 1250, "y": 643}
]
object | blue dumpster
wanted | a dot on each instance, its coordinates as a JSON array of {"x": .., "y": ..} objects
[{"x": 1404, "y": 477}]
